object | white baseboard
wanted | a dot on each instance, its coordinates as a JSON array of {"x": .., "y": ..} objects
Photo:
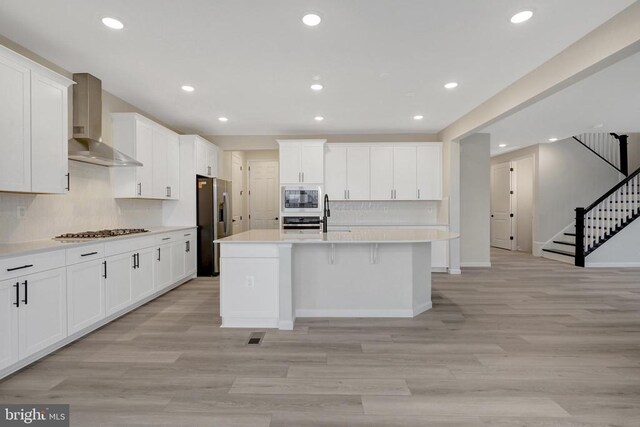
[
  {"x": 536, "y": 249},
  {"x": 422, "y": 308},
  {"x": 285, "y": 325},
  {"x": 455, "y": 271},
  {"x": 612, "y": 264},
  {"x": 304, "y": 312},
  {"x": 251, "y": 322},
  {"x": 475, "y": 264}
]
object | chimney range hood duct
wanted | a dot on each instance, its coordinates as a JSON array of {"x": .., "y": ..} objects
[{"x": 85, "y": 146}]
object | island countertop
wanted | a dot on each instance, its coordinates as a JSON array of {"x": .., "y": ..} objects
[{"x": 358, "y": 235}]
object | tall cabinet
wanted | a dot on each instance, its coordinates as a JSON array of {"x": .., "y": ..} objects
[{"x": 34, "y": 126}]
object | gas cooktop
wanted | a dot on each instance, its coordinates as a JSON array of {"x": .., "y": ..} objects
[{"x": 101, "y": 234}]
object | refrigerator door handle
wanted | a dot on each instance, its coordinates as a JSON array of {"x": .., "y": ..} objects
[{"x": 225, "y": 212}]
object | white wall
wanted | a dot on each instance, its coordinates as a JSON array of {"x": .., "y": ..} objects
[
  {"x": 622, "y": 250},
  {"x": 475, "y": 200}
]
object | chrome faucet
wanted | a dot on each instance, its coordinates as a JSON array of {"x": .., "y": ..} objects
[{"x": 326, "y": 213}]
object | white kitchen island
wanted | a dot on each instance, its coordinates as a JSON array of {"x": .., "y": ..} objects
[{"x": 270, "y": 277}]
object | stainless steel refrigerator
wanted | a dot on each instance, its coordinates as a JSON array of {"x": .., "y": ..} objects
[{"x": 214, "y": 222}]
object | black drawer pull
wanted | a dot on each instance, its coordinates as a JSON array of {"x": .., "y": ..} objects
[
  {"x": 19, "y": 268},
  {"x": 166, "y": 238},
  {"x": 90, "y": 253},
  {"x": 187, "y": 235}
]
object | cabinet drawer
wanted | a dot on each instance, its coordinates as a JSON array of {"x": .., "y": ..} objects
[
  {"x": 29, "y": 264},
  {"x": 128, "y": 245},
  {"x": 85, "y": 253}
]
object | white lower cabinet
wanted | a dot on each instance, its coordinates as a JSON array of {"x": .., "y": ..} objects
[
  {"x": 190, "y": 262},
  {"x": 178, "y": 251},
  {"x": 162, "y": 267},
  {"x": 85, "y": 294},
  {"x": 8, "y": 323},
  {"x": 142, "y": 283},
  {"x": 118, "y": 282}
]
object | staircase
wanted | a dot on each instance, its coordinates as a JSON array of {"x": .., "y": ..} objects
[{"x": 608, "y": 215}]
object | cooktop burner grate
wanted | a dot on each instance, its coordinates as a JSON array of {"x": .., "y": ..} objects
[{"x": 100, "y": 234}]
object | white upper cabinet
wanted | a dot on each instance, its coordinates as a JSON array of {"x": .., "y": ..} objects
[
  {"x": 429, "y": 172},
  {"x": 346, "y": 174},
  {"x": 34, "y": 126},
  {"x": 381, "y": 173},
  {"x": 153, "y": 145},
  {"x": 404, "y": 173},
  {"x": 206, "y": 157},
  {"x": 335, "y": 172},
  {"x": 302, "y": 161},
  {"x": 400, "y": 171}
]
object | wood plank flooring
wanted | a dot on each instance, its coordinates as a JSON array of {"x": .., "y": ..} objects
[{"x": 529, "y": 342}]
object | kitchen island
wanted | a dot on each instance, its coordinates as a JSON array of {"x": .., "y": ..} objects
[{"x": 270, "y": 277}]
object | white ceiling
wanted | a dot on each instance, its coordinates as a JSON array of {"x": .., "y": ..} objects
[
  {"x": 381, "y": 61},
  {"x": 610, "y": 98}
]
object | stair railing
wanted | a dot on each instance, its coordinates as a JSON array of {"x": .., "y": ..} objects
[
  {"x": 610, "y": 147},
  {"x": 605, "y": 217}
]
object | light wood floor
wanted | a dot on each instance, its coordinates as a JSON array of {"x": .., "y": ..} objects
[{"x": 527, "y": 342}]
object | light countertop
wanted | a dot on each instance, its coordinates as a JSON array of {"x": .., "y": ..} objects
[
  {"x": 357, "y": 235},
  {"x": 25, "y": 248}
]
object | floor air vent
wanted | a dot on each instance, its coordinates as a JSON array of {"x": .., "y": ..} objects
[{"x": 255, "y": 338}]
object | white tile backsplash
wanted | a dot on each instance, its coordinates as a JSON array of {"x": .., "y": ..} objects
[
  {"x": 88, "y": 206},
  {"x": 384, "y": 213}
]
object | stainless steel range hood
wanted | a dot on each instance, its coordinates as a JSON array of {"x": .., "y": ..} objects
[{"x": 85, "y": 146}]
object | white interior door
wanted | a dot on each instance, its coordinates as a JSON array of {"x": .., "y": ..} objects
[
  {"x": 237, "y": 196},
  {"x": 263, "y": 195},
  {"x": 501, "y": 206}
]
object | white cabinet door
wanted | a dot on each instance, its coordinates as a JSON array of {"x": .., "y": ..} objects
[
  {"x": 162, "y": 267},
  {"x": 290, "y": 172},
  {"x": 118, "y": 283},
  {"x": 49, "y": 129},
  {"x": 404, "y": 173},
  {"x": 202, "y": 158},
  {"x": 42, "y": 320},
  {"x": 178, "y": 270},
  {"x": 212, "y": 156},
  {"x": 190, "y": 264},
  {"x": 173, "y": 166},
  {"x": 312, "y": 163},
  {"x": 85, "y": 294},
  {"x": 144, "y": 154},
  {"x": 160, "y": 164},
  {"x": 358, "y": 173},
  {"x": 381, "y": 173},
  {"x": 15, "y": 127},
  {"x": 335, "y": 172},
  {"x": 142, "y": 282},
  {"x": 429, "y": 172},
  {"x": 8, "y": 323}
]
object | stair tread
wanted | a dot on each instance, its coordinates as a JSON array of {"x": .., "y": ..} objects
[
  {"x": 562, "y": 242},
  {"x": 570, "y": 234},
  {"x": 560, "y": 252}
]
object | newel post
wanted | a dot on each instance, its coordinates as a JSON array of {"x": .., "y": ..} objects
[{"x": 580, "y": 237}]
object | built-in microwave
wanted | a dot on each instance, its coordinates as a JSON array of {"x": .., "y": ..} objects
[{"x": 301, "y": 199}]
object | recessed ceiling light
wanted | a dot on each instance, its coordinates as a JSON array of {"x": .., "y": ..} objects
[
  {"x": 188, "y": 88},
  {"x": 418, "y": 117},
  {"x": 316, "y": 86},
  {"x": 502, "y": 145},
  {"x": 553, "y": 139},
  {"x": 223, "y": 119},
  {"x": 318, "y": 118},
  {"x": 311, "y": 19},
  {"x": 112, "y": 23},
  {"x": 451, "y": 85},
  {"x": 521, "y": 17}
]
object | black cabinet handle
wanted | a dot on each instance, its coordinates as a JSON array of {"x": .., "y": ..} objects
[
  {"x": 137, "y": 260},
  {"x": 134, "y": 261},
  {"x": 90, "y": 253},
  {"x": 187, "y": 235},
  {"x": 17, "y": 286},
  {"x": 159, "y": 254},
  {"x": 26, "y": 290},
  {"x": 166, "y": 238},
  {"x": 19, "y": 268},
  {"x": 188, "y": 246},
  {"x": 105, "y": 269},
  {"x": 68, "y": 183}
]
